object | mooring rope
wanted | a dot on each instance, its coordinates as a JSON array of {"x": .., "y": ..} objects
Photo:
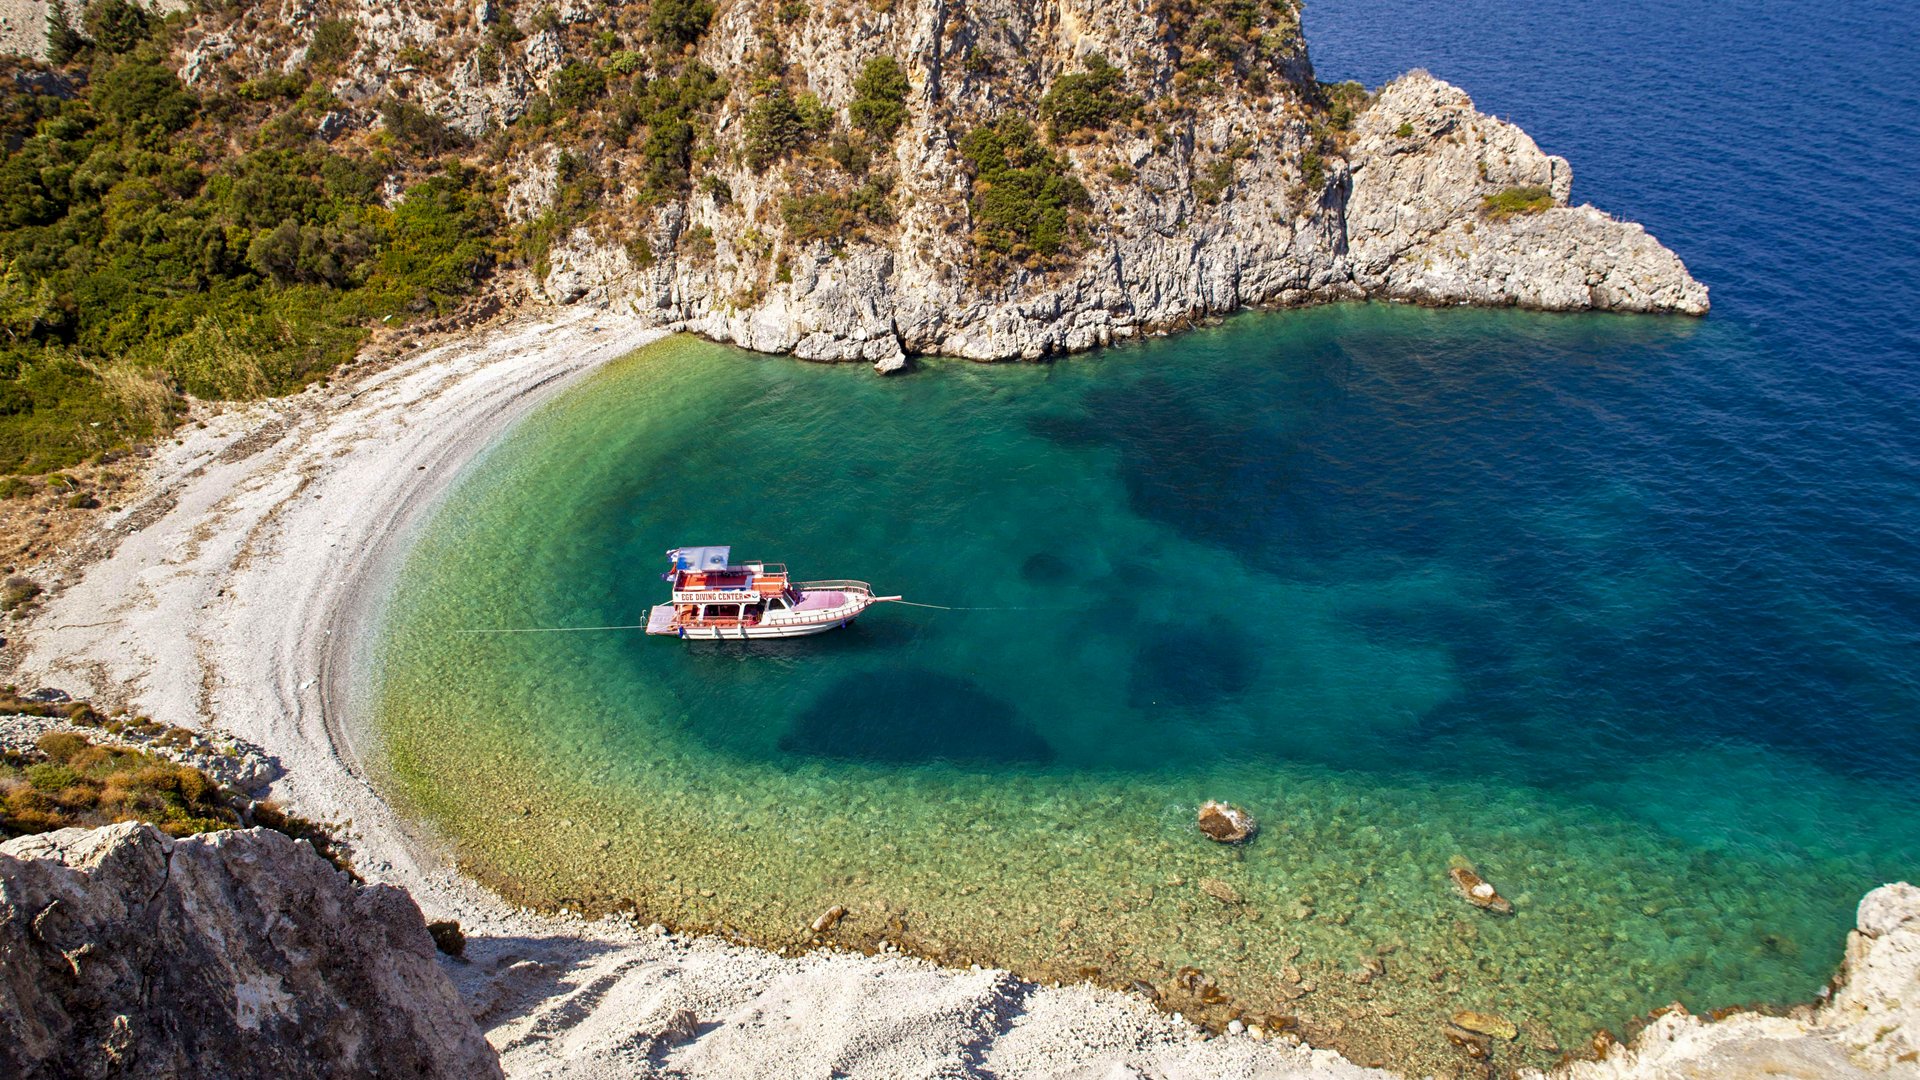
[
  {"x": 943, "y": 607},
  {"x": 553, "y": 629}
]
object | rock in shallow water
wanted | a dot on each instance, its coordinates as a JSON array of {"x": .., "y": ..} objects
[
  {"x": 1226, "y": 824},
  {"x": 1486, "y": 1024},
  {"x": 1477, "y": 890},
  {"x": 829, "y": 919}
]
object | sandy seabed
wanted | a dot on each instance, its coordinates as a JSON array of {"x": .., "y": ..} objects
[{"x": 233, "y": 595}]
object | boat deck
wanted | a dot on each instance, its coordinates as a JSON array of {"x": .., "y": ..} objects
[{"x": 660, "y": 619}]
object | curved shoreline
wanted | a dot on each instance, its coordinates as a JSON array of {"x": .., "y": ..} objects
[
  {"x": 234, "y": 593},
  {"x": 240, "y": 591}
]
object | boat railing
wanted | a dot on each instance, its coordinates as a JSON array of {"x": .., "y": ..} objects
[{"x": 859, "y": 588}]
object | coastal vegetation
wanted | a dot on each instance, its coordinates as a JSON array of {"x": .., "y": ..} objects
[
  {"x": 1025, "y": 196},
  {"x": 143, "y": 259},
  {"x": 186, "y": 218},
  {"x": 70, "y": 779},
  {"x": 1089, "y": 101},
  {"x": 1517, "y": 201},
  {"x": 70, "y": 782}
]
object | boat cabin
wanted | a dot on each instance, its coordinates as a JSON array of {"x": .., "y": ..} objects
[
  {"x": 708, "y": 590},
  {"x": 715, "y": 598}
]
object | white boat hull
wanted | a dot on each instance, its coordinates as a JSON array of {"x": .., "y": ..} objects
[{"x": 797, "y": 623}]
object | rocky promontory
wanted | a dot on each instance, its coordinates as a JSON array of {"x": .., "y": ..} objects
[
  {"x": 865, "y": 181},
  {"x": 1409, "y": 212},
  {"x": 124, "y": 952}
]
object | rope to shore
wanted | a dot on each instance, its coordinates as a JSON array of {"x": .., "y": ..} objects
[
  {"x": 554, "y": 629},
  {"x": 943, "y": 607}
]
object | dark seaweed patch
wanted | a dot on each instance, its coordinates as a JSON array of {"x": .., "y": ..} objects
[
  {"x": 1191, "y": 665},
  {"x": 913, "y": 716},
  {"x": 1046, "y": 566}
]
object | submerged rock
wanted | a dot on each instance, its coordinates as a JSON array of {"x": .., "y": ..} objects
[
  {"x": 1226, "y": 824},
  {"x": 240, "y": 953},
  {"x": 1486, "y": 1024},
  {"x": 829, "y": 919},
  {"x": 1477, "y": 890},
  {"x": 1221, "y": 891}
]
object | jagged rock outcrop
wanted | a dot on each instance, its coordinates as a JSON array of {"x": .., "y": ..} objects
[
  {"x": 1425, "y": 159},
  {"x": 1231, "y": 179},
  {"x": 1399, "y": 218},
  {"x": 1868, "y": 1027},
  {"x": 235, "y": 954}
]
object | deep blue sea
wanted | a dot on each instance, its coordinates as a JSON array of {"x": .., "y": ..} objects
[
  {"x": 1775, "y": 456},
  {"x": 1624, "y": 611}
]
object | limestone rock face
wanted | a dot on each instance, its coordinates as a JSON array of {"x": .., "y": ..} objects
[
  {"x": 1870, "y": 1027},
  {"x": 1399, "y": 218},
  {"x": 239, "y": 954},
  {"x": 1207, "y": 201},
  {"x": 1424, "y": 160}
]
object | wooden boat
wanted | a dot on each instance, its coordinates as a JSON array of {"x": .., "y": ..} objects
[{"x": 714, "y": 598}]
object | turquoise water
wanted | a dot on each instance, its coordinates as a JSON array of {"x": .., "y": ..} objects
[
  {"x": 1398, "y": 581},
  {"x": 1621, "y": 610}
]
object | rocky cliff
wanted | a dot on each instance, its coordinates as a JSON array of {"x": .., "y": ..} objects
[
  {"x": 1014, "y": 178},
  {"x": 234, "y": 954},
  {"x": 1868, "y": 1026}
]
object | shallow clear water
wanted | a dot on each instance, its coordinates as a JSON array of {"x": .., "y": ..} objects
[{"x": 1623, "y": 610}]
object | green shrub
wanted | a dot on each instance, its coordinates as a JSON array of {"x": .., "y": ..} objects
[
  {"x": 1024, "y": 197},
  {"x": 17, "y": 591},
  {"x": 16, "y": 487},
  {"x": 333, "y": 44},
  {"x": 675, "y": 24},
  {"x": 436, "y": 249},
  {"x": 1530, "y": 199},
  {"x": 576, "y": 84},
  {"x": 666, "y": 108},
  {"x": 1405, "y": 130},
  {"x": 777, "y": 124},
  {"x": 1089, "y": 101},
  {"x": 837, "y": 216},
  {"x": 51, "y": 776},
  {"x": 117, "y": 26},
  {"x": 625, "y": 62},
  {"x": 1213, "y": 180},
  {"x": 145, "y": 97},
  {"x": 879, "y": 98},
  {"x": 697, "y": 242},
  {"x": 1343, "y": 102},
  {"x": 1313, "y": 172},
  {"x": 416, "y": 129},
  {"x": 64, "y": 43}
]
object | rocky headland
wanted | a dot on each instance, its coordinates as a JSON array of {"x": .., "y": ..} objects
[{"x": 996, "y": 179}]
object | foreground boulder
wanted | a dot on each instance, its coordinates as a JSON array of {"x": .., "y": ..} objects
[{"x": 237, "y": 954}]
